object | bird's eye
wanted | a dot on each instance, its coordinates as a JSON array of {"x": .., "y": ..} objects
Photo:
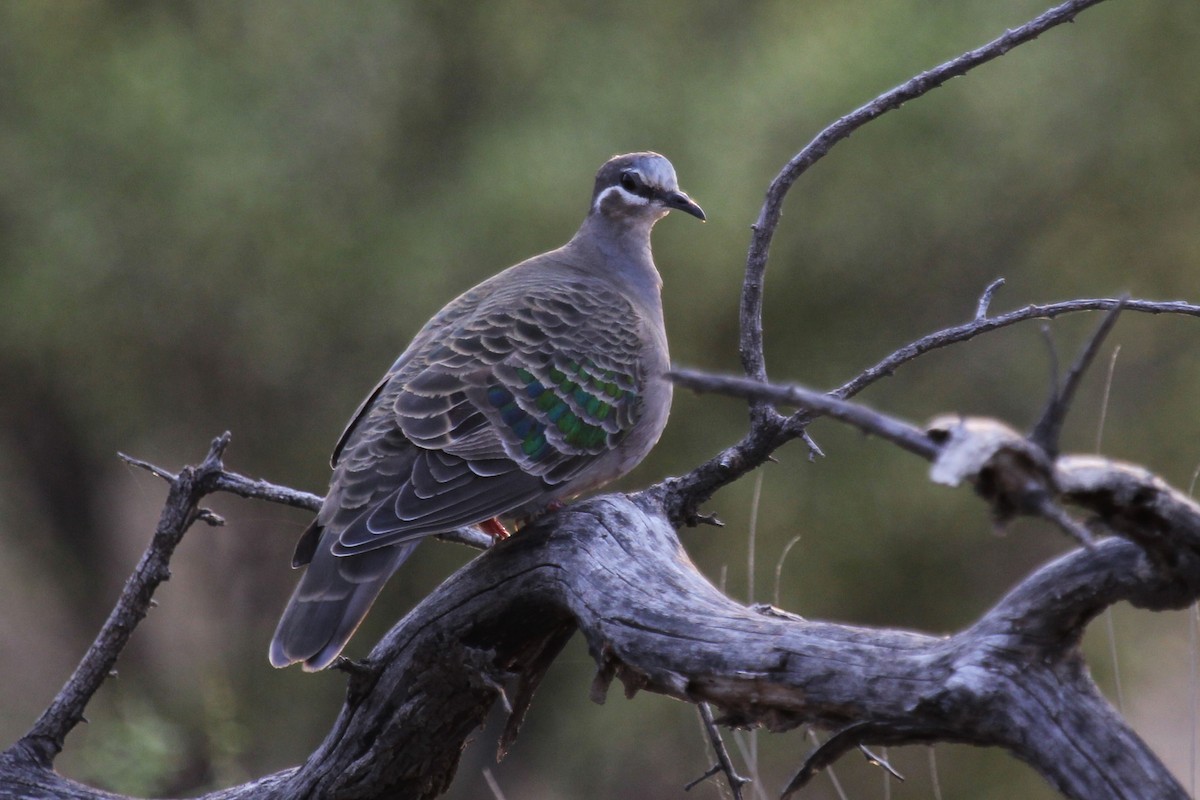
[{"x": 629, "y": 182}]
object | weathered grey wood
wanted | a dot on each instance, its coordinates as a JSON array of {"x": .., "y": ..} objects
[{"x": 614, "y": 568}]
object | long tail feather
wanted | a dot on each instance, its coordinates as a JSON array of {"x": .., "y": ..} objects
[{"x": 330, "y": 601}]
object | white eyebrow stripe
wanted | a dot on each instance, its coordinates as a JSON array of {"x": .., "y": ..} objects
[{"x": 630, "y": 198}]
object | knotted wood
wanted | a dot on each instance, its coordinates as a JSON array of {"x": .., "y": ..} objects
[{"x": 614, "y": 569}]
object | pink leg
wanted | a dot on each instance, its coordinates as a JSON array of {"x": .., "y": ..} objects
[{"x": 495, "y": 528}]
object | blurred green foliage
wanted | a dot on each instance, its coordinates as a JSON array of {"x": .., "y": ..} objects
[{"x": 221, "y": 215}]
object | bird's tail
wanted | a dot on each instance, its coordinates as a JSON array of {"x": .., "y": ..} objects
[{"x": 330, "y": 601}]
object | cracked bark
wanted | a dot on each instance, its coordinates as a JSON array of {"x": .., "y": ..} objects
[{"x": 613, "y": 568}]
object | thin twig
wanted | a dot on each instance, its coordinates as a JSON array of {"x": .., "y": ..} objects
[
  {"x": 787, "y": 548},
  {"x": 683, "y": 495},
  {"x": 255, "y": 489},
  {"x": 833, "y": 778},
  {"x": 1048, "y": 429},
  {"x": 854, "y": 735},
  {"x": 1108, "y": 382},
  {"x": 232, "y": 482},
  {"x": 825, "y": 754},
  {"x": 158, "y": 472},
  {"x": 493, "y": 786},
  {"x": 815, "y": 403},
  {"x": 45, "y": 739},
  {"x": 985, "y": 299},
  {"x": 974, "y": 328},
  {"x": 724, "y": 763},
  {"x": 768, "y": 429},
  {"x": 708, "y": 773},
  {"x": 814, "y": 449},
  {"x": 1052, "y": 511},
  {"x": 751, "y": 344},
  {"x": 881, "y": 762}
]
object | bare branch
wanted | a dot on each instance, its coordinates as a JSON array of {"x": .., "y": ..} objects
[
  {"x": 240, "y": 485},
  {"x": 45, "y": 739},
  {"x": 724, "y": 762},
  {"x": 848, "y": 738},
  {"x": 614, "y": 568},
  {"x": 1046, "y": 432},
  {"x": 772, "y": 209},
  {"x": 683, "y": 495},
  {"x": 767, "y": 428},
  {"x": 816, "y": 404},
  {"x": 157, "y": 472},
  {"x": 970, "y": 330},
  {"x": 256, "y": 489},
  {"x": 1013, "y": 473},
  {"x": 985, "y": 300}
]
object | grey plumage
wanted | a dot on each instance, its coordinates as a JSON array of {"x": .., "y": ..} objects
[{"x": 541, "y": 383}]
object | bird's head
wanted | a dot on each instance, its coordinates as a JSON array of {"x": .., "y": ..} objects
[{"x": 640, "y": 186}]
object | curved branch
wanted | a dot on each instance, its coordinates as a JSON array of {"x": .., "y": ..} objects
[
  {"x": 682, "y": 496},
  {"x": 1014, "y": 473},
  {"x": 768, "y": 430},
  {"x": 613, "y": 568},
  {"x": 751, "y": 344},
  {"x": 815, "y": 404},
  {"x": 981, "y": 325},
  {"x": 45, "y": 739}
]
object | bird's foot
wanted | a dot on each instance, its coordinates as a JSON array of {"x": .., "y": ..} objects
[{"x": 495, "y": 528}]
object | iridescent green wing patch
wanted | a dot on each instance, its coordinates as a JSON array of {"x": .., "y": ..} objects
[{"x": 571, "y": 406}]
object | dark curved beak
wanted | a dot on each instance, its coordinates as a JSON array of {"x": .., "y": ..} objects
[{"x": 680, "y": 201}]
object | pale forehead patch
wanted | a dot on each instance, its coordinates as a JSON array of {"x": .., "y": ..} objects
[{"x": 658, "y": 171}]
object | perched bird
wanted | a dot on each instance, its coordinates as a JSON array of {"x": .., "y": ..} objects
[{"x": 543, "y": 382}]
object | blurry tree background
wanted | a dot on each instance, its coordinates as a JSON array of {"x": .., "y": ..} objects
[{"x": 223, "y": 215}]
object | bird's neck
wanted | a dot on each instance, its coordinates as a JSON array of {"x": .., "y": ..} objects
[{"x": 622, "y": 247}]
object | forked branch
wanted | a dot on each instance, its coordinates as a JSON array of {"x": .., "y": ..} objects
[{"x": 613, "y": 568}]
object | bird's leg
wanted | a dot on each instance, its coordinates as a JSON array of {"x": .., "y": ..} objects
[{"x": 495, "y": 528}]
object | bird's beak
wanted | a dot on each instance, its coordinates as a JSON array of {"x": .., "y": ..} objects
[{"x": 681, "y": 201}]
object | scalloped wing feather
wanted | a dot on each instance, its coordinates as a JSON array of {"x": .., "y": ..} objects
[{"x": 482, "y": 416}]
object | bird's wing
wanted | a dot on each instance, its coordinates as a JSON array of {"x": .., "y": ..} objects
[
  {"x": 513, "y": 399},
  {"x": 442, "y": 324}
]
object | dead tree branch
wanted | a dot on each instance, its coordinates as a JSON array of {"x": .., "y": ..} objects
[
  {"x": 753, "y": 360},
  {"x": 683, "y": 495},
  {"x": 45, "y": 739},
  {"x": 768, "y": 430},
  {"x": 613, "y": 568}
]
